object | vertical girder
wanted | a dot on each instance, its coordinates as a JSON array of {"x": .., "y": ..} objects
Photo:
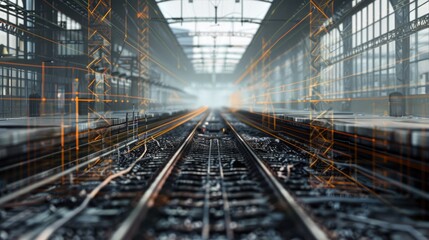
[
  {"x": 99, "y": 70},
  {"x": 267, "y": 120},
  {"x": 348, "y": 63},
  {"x": 143, "y": 46},
  {"x": 253, "y": 81},
  {"x": 321, "y": 114},
  {"x": 402, "y": 46}
]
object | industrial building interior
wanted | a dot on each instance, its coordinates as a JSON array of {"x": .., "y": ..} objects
[{"x": 214, "y": 119}]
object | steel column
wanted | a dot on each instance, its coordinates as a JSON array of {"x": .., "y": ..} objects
[
  {"x": 143, "y": 56},
  {"x": 321, "y": 114},
  {"x": 99, "y": 70}
]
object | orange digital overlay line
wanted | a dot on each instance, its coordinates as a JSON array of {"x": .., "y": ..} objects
[
  {"x": 254, "y": 64},
  {"x": 327, "y": 163},
  {"x": 79, "y": 134},
  {"x": 194, "y": 114},
  {"x": 84, "y": 53},
  {"x": 395, "y": 159},
  {"x": 375, "y": 68}
]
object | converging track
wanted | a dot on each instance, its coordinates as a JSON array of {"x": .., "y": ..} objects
[
  {"x": 217, "y": 189},
  {"x": 196, "y": 179},
  {"x": 90, "y": 198},
  {"x": 203, "y": 176},
  {"x": 349, "y": 204}
]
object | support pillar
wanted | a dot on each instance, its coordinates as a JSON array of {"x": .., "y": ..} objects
[
  {"x": 402, "y": 48},
  {"x": 99, "y": 73},
  {"x": 321, "y": 113},
  {"x": 143, "y": 55}
]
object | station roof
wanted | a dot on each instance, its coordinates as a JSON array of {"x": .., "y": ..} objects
[{"x": 214, "y": 33}]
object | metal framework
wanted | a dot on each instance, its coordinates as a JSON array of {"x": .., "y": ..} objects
[
  {"x": 211, "y": 46},
  {"x": 321, "y": 114},
  {"x": 77, "y": 8},
  {"x": 99, "y": 63},
  {"x": 213, "y": 19},
  {"x": 402, "y": 46},
  {"x": 13, "y": 9},
  {"x": 346, "y": 11},
  {"x": 208, "y": 51},
  {"x": 161, "y": 1},
  {"x": 11, "y": 28},
  {"x": 206, "y": 55},
  {"x": 267, "y": 120},
  {"x": 143, "y": 56},
  {"x": 253, "y": 81},
  {"x": 398, "y": 33},
  {"x": 214, "y": 34},
  {"x": 226, "y": 59}
]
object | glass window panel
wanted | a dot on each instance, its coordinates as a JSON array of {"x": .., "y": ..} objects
[
  {"x": 391, "y": 22},
  {"x": 423, "y": 8},
  {"x": 227, "y": 34},
  {"x": 384, "y": 27},
  {"x": 359, "y": 21},
  {"x": 370, "y": 14},
  {"x": 364, "y": 35},
  {"x": 377, "y": 10},
  {"x": 370, "y": 32},
  {"x": 364, "y": 18},
  {"x": 384, "y": 7},
  {"x": 377, "y": 29}
]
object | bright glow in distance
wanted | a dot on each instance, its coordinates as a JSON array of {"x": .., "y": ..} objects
[
  {"x": 203, "y": 36},
  {"x": 212, "y": 96}
]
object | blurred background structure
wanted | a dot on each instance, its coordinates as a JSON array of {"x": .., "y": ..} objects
[{"x": 86, "y": 86}]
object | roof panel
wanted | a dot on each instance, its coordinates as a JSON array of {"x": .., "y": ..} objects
[{"x": 214, "y": 36}]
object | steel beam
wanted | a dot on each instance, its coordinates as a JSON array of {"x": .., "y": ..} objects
[
  {"x": 241, "y": 51},
  {"x": 211, "y": 46},
  {"x": 99, "y": 69},
  {"x": 402, "y": 45},
  {"x": 214, "y": 34},
  {"x": 346, "y": 11},
  {"x": 321, "y": 114},
  {"x": 210, "y": 60},
  {"x": 143, "y": 48},
  {"x": 398, "y": 33},
  {"x": 348, "y": 63},
  {"x": 174, "y": 20},
  {"x": 268, "y": 118},
  {"x": 266, "y": 1}
]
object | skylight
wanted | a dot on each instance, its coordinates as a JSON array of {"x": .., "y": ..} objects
[{"x": 214, "y": 44}]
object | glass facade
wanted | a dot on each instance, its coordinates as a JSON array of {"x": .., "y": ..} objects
[{"x": 363, "y": 78}]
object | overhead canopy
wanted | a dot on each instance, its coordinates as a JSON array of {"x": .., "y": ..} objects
[{"x": 214, "y": 40}]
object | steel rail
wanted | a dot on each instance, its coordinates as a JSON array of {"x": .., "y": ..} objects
[
  {"x": 50, "y": 179},
  {"x": 206, "y": 215},
  {"x": 88, "y": 160},
  {"x": 226, "y": 204},
  {"x": 121, "y": 136},
  {"x": 362, "y": 170},
  {"x": 308, "y": 226},
  {"x": 129, "y": 226}
]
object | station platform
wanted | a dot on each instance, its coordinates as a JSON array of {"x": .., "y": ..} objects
[
  {"x": 16, "y": 132},
  {"x": 407, "y": 130}
]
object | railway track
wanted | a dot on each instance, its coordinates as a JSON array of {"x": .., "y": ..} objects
[
  {"x": 399, "y": 167},
  {"x": 206, "y": 184},
  {"x": 12, "y": 175},
  {"x": 63, "y": 150},
  {"x": 350, "y": 206},
  {"x": 89, "y": 198},
  {"x": 208, "y": 177},
  {"x": 217, "y": 189}
]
